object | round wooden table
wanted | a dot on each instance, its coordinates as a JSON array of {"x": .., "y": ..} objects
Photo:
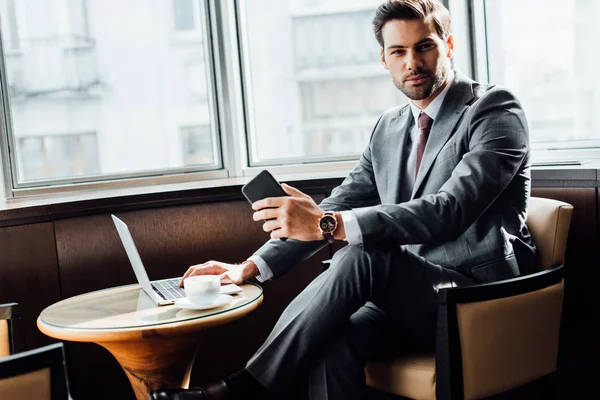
[{"x": 156, "y": 346}]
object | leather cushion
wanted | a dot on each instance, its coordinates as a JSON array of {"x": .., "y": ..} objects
[
  {"x": 548, "y": 221},
  {"x": 31, "y": 386},
  {"x": 501, "y": 348},
  {"x": 4, "y": 339},
  {"x": 411, "y": 376}
]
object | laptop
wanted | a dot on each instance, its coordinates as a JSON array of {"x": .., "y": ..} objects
[{"x": 164, "y": 291}]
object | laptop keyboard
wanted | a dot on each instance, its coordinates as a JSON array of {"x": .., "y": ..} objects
[{"x": 169, "y": 288}]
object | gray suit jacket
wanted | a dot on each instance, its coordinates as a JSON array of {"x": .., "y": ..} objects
[{"x": 468, "y": 207}]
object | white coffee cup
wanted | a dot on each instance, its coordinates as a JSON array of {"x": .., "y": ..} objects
[{"x": 202, "y": 289}]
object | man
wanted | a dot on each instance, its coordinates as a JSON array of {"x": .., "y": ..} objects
[{"x": 437, "y": 199}]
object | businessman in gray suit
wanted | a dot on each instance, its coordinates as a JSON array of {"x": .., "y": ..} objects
[{"x": 438, "y": 198}]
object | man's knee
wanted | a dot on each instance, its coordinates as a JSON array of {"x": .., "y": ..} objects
[
  {"x": 357, "y": 254},
  {"x": 339, "y": 351}
]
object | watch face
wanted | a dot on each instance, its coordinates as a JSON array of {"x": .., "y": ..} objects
[{"x": 327, "y": 223}]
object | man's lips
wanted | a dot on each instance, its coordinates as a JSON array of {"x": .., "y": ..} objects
[{"x": 417, "y": 79}]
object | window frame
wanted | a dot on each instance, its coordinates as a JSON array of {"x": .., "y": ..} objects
[
  {"x": 313, "y": 163},
  {"x": 574, "y": 152},
  {"x": 9, "y": 158}
]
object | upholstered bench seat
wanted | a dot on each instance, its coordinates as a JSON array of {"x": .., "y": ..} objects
[{"x": 410, "y": 376}]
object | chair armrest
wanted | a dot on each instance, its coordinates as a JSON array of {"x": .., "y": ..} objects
[
  {"x": 10, "y": 313},
  {"x": 504, "y": 288},
  {"x": 500, "y": 335}
]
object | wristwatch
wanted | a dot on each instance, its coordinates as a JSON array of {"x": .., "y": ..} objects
[{"x": 327, "y": 225}]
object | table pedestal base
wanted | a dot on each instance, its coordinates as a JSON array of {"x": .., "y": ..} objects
[{"x": 157, "y": 362}]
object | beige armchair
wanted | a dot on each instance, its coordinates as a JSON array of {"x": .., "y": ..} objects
[
  {"x": 38, "y": 374},
  {"x": 492, "y": 337},
  {"x": 11, "y": 335}
]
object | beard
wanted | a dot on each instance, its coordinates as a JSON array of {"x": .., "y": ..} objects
[{"x": 423, "y": 91}]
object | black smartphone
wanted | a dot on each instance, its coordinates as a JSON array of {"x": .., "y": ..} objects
[{"x": 262, "y": 186}]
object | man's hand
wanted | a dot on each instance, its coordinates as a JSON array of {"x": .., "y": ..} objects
[
  {"x": 295, "y": 217},
  {"x": 229, "y": 273}
]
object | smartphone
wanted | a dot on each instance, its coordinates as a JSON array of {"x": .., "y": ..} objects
[{"x": 262, "y": 186}]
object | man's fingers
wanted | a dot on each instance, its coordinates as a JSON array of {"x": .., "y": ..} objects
[
  {"x": 187, "y": 273},
  {"x": 269, "y": 202},
  {"x": 202, "y": 269},
  {"x": 292, "y": 191},
  {"x": 265, "y": 214},
  {"x": 271, "y": 225},
  {"x": 225, "y": 278},
  {"x": 277, "y": 234}
]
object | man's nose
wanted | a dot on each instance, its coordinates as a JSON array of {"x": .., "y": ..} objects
[{"x": 413, "y": 62}]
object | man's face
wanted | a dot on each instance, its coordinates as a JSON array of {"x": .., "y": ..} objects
[{"x": 417, "y": 58}]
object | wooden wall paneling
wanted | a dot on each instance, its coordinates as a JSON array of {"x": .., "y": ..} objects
[{"x": 29, "y": 275}]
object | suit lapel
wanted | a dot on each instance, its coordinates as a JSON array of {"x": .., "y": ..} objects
[
  {"x": 399, "y": 130},
  {"x": 454, "y": 105}
]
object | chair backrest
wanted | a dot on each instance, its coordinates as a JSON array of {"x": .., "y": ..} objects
[
  {"x": 509, "y": 331},
  {"x": 11, "y": 334},
  {"x": 37, "y": 374},
  {"x": 548, "y": 221}
]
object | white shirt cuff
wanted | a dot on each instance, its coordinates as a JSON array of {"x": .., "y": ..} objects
[
  {"x": 353, "y": 233},
  {"x": 264, "y": 272}
]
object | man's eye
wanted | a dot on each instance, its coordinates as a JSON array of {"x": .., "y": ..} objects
[
  {"x": 397, "y": 52},
  {"x": 426, "y": 47}
]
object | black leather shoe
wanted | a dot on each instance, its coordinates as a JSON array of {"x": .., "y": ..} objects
[
  {"x": 216, "y": 391},
  {"x": 212, "y": 391},
  {"x": 177, "y": 394}
]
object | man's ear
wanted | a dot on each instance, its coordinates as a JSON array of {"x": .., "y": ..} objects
[
  {"x": 382, "y": 56},
  {"x": 450, "y": 46}
]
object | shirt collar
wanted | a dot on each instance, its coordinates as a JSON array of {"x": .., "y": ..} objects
[{"x": 434, "y": 107}]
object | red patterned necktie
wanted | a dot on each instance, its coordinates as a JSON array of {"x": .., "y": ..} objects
[{"x": 425, "y": 122}]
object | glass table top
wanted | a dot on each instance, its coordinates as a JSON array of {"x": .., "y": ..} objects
[{"x": 128, "y": 306}]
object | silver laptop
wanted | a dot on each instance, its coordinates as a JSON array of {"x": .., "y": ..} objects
[{"x": 164, "y": 291}]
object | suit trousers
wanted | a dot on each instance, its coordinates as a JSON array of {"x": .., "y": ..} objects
[{"x": 366, "y": 305}]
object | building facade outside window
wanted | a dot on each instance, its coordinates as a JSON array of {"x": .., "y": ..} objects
[
  {"x": 57, "y": 156},
  {"x": 83, "y": 66},
  {"x": 197, "y": 145},
  {"x": 543, "y": 53},
  {"x": 315, "y": 85}
]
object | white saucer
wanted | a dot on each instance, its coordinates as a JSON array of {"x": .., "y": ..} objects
[{"x": 186, "y": 304}]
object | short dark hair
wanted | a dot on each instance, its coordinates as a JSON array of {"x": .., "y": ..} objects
[{"x": 423, "y": 10}]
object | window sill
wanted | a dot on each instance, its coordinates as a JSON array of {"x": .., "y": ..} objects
[{"x": 50, "y": 207}]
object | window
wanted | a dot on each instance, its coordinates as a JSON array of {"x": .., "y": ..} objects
[
  {"x": 183, "y": 15},
  {"x": 545, "y": 53},
  {"x": 196, "y": 145},
  {"x": 186, "y": 18},
  {"x": 85, "y": 67},
  {"x": 315, "y": 84},
  {"x": 198, "y": 89},
  {"x": 11, "y": 30},
  {"x": 57, "y": 156}
]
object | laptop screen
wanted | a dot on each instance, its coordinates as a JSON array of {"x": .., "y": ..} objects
[{"x": 134, "y": 256}]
